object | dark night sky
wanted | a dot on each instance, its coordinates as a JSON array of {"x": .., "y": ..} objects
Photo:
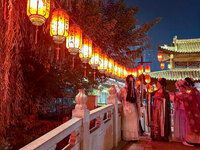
[{"x": 179, "y": 17}]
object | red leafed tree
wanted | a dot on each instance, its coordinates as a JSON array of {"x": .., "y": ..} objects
[{"x": 30, "y": 76}]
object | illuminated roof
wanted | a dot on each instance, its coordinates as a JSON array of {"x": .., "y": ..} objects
[
  {"x": 183, "y": 46},
  {"x": 177, "y": 74}
]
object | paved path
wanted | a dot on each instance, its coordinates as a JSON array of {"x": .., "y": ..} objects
[{"x": 146, "y": 144}]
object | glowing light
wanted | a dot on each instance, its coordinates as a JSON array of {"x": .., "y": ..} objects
[
  {"x": 38, "y": 11},
  {"x": 59, "y": 26}
]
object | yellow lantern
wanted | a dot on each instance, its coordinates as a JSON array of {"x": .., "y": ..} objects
[
  {"x": 120, "y": 73},
  {"x": 110, "y": 69},
  {"x": 95, "y": 59},
  {"x": 104, "y": 64},
  {"x": 59, "y": 26},
  {"x": 74, "y": 40},
  {"x": 162, "y": 65},
  {"x": 85, "y": 52},
  {"x": 135, "y": 72},
  {"x": 147, "y": 69},
  {"x": 140, "y": 70},
  {"x": 38, "y": 11},
  {"x": 147, "y": 78},
  {"x": 125, "y": 73},
  {"x": 115, "y": 72}
]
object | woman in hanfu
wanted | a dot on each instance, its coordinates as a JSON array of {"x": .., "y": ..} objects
[
  {"x": 161, "y": 127},
  {"x": 191, "y": 100},
  {"x": 131, "y": 104},
  {"x": 179, "y": 113}
]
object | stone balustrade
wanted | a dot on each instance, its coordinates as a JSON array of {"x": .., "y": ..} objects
[{"x": 103, "y": 135}]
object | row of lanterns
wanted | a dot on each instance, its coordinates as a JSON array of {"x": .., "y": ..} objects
[
  {"x": 160, "y": 58},
  {"x": 39, "y": 10}
]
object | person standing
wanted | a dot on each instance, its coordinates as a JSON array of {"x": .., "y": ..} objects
[
  {"x": 179, "y": 113},
  {"x": 191, "y": 100},
  {"x": 131, "y": 104},
  {"x": 161, "y": 126}
]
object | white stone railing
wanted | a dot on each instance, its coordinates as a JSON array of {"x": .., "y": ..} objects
[
  {"x": 50, "y": 139},
  {"x": 98, "y": 129}
]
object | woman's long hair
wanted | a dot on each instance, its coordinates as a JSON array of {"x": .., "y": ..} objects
[
  {"x": 163, "y": 83},
  {"x": 131, "y": 94}
]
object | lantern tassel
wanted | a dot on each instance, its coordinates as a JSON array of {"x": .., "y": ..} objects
[
  {"x": 85, "y": 67},
  {"x": 102, "y": 79},
  {"x": 108, "y": 80},
  {"x": 36, "y": 33},
  {"x": 57, "y": 53},
  {"x": 94, "y": 75},
  {"x": 73, "y": 63},
  {"x": 5, "y": 10}
]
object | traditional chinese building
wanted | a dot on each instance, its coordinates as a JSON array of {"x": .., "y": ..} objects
[{"x": 183, "y": 57}]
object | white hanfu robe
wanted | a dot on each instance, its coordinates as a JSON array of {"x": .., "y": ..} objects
[{"x": 130, "y": 117}]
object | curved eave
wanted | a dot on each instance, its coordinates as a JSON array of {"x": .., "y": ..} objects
[
  {"x": 173, "y": 51},
  {"x": 176, "y": 74}
]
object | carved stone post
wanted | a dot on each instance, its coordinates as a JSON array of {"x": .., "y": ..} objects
[
  {"x": 112, "y": 99},
  {"x": 81, "y": 111}
]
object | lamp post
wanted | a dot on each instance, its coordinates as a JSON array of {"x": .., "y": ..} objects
[
  {"x": 142, "y": 79},
  {"x": 140, "y": 71}
]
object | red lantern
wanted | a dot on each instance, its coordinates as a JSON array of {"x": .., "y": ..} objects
[
  {"x": 95, "y": 59},
  {"x": 85, "y": 52},
  {"x": 138, "y": 83},
  {"x": 147, "y": 79},
  {"x": 135, "y": 72},
  {"x": 147, "y": 69},
  {"x": 38, "y": 11},
  {"x": 159, "y": 57},
  {"x": 162, "y": 65},
  {"x": 104, "y": 63},
  {"x": 148, "y": 88},
  {"x": 59, "y": 26},
  {"x": 74, "y": 40},
  {"x": 125, "y": 73},
  {"x": 115, "y": 73},
  {"x": 110, "y": 69},
  {"x": 120, "y": 72},
  {"x": 140, "y": 70}
]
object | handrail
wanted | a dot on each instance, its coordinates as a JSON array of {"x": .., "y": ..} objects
[
  {"x": 96, "y": 112},
  {"x": 54, "y": 136}
]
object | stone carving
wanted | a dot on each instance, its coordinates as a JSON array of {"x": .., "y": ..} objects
[{"x": 81, "y": 100}]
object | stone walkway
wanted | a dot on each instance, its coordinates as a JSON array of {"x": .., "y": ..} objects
[{"x": 146, "y": 144}]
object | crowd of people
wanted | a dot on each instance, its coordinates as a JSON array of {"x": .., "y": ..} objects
[{"x": 186, "y": 120}]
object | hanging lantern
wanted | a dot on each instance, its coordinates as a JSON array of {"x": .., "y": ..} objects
[
  {"x": 147, "y": 79},
  {"x": 38, "y": 11},
  {"x": 162, "y": 65},
  {"x": 135, "y": 72},
  {"x": 115, "y": 72},
  {"x": 148, "y": 88},
  {"x": 138, "y": 83},
  {"x": 147, "y": 69},
  {"x": 140, "y": 70},
  {"x": 155, "y": 88},
  {"x": 119, "y": 73},
  {"x": 110, "y": 69},
  {"x": 95, "y": 59},
  {"x": 59, "y": 26},
  {"x": 74, "y": 40},
  {"x": 125, "y": 73},
  {"x": 159, "y": 57},
  {"x": 85, "y": 52},
  {"x": 104, "y": 64}
]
